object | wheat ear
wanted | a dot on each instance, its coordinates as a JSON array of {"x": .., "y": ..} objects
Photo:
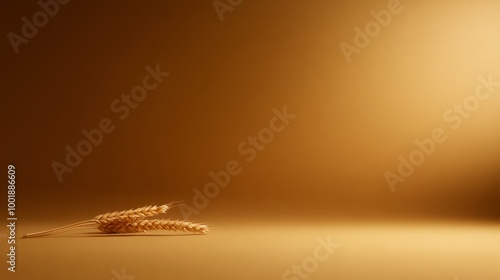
[
  {"x": 155, "y": 224},
  {"x": 126, "y": 215},
  {"x": 134, "y": 214}
]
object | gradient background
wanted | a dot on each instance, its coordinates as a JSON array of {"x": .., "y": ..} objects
[{"x": 327, "y": 166}]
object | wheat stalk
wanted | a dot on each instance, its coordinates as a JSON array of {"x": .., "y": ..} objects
[
  {"x": 148, "y": 225},
  {"x": 134, "y": 220}
]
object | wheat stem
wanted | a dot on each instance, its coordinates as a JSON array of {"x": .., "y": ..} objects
[{"x": 61, "y": 229}]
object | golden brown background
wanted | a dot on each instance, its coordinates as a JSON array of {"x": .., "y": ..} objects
[{"x": 353, "y": 121}]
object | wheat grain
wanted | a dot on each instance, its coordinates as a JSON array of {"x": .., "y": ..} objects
[{"x": 149, "y": 225}]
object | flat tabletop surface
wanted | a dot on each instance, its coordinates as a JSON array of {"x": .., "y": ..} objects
[{"x": 430, "y": 251}]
